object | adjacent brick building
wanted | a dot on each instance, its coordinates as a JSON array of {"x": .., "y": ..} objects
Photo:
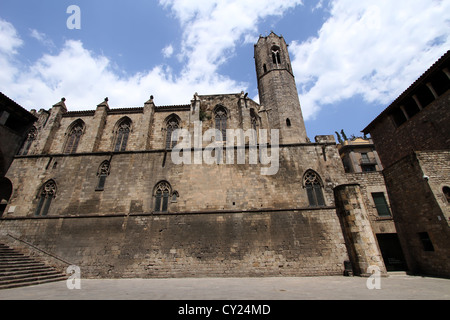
[
  {"x": 412, "y": 137},
  {"x": 15, "y": 124}
]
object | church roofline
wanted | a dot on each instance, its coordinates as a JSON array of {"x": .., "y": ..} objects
[
  {"x": 183, "y": 107},
  {"x": 130, "y": 110}
]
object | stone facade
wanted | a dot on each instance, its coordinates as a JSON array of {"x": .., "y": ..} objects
[
  {"x": 413, "y": 140},
  {"x": 363, "y": 167},
  {"x": 15, "y": 124},
  {"x": 418, "y": 119},
  {"x": 295, "y": 243},
  {"x": 359, "y": 155},
  {"x": 361, "y": 242},
  {"x": 430, "y": 214},
  {"x": 100, "y": 188},
  {"x": 277, "y": 90}
]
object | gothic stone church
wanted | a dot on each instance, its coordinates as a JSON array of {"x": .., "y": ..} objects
[{"x": 98, "y": 189}]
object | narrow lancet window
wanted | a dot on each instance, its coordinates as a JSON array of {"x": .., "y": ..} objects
[
  {"x": 103, "y": 173},
  {"x": 74, "y": 138},
  {"x": 221, "y": 123},
  {"x": 172, "y": 125},
  {"x": 46, "y": 195},
  {"x": 122, "y": 135}
]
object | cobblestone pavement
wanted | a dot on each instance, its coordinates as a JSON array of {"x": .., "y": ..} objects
[{"x": 394, "y": 287}]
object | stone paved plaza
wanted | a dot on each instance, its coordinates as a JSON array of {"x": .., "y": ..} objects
[{"x": 394, "y": 287}]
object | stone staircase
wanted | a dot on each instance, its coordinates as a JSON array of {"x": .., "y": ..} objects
[{"x": 19, "y": 270}]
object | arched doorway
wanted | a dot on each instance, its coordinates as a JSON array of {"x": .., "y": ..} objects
[{"x": 5, "y": 193}]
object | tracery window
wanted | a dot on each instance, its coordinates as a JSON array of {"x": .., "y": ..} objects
[
  {"x": 221, "y": 123},
  {"x": 162, "y": 194},
  {"x": 276, "y": 58},
  {"x": 122, "y": 135},
  {"x": 172, "y": 125},
  {"x": 28, "y": 142},
  {"x": 313, "y": 186},
  {"x": 46, "y": 195},
  {"x": 74, "y": 137},
  {"x": 103, "y": 173}
]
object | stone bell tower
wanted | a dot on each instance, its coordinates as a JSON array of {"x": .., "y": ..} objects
[{"x": 277, "y": 90}]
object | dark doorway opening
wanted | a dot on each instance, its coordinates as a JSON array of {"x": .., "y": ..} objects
[
  {"x": 5, "y": 193},
  {"x": 391, "y": 251}
]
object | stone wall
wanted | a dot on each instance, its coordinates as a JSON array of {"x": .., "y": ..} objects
[
  {"x": 427, "y": 130},
  {"x": 134, "y": 175},
  {"x": 361, "y": 243},
  {"x": 285, "y": 243},
  {"x": 436, "y": 170},
  {"x": 414, "y": 185},
  {"x": 229, "y": 220},
  {"x": 373, "y": 182},
  {"x": 277, "y": 90}
]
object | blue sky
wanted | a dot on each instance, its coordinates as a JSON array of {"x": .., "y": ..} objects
[{"x": 350, "y": 58}]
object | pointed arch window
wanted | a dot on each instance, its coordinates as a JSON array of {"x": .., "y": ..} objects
[
  {"x": 122, "y": 135},
  {"x": 46, "y": 195},
  {"x": 313, "y": 186},
  {"x": 74, "y": 137},
  {"x": 172, "y": 125},
  {"x": 103, "y": 173},
  {"x": 162, "y": 194},
  {"x": 221, "y": 116},
  {"x": 32, "y": 134},
  {"x": 255, "y": 124},
  {"x": 276, "y": 57}
]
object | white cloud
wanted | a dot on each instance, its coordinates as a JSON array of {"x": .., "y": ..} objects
[
  {"x": 10, "y": 42},
  {"x": 375, "y": 49},
  {"x": 85, "y": 78},
  {"x": 42, "y": 38},
  {"x": 167, "y": 51},
  {"x": 9, "y": 39},
  {"x": 212, "y": 30}
]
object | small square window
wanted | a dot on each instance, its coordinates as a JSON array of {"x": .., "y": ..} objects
[
  {"x": 426, "y": 241},
  {"x": 381, "y": 204},
  {"x": 368, "y": 168}
]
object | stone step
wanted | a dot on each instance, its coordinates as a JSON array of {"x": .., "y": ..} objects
[
  {"x": 34, "y": 274},
  {"x": 31, "y": 281},
  {"x": 24, "y": 270},
  {"x": 7, "y": 259},
  {"x": 18, "y": 270},
  {"x": 8, "y": 264}
]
